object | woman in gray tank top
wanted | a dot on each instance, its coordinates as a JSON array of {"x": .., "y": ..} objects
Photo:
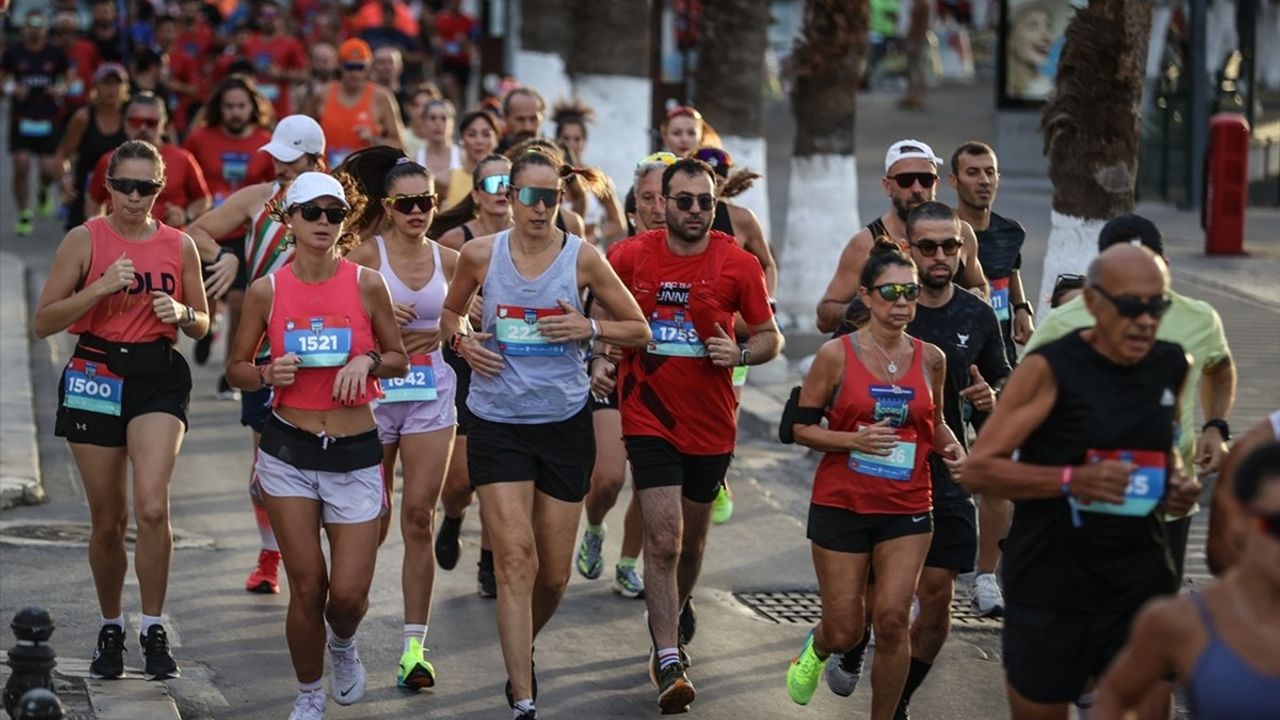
[{"x": 531, "y": 444}]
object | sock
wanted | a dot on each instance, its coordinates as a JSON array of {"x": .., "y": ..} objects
[
  {"x": 668, "y": 656},
  {"x": 854, "y": 657},
  {"x": 626, "y": 562},
  {"x": 521, "y": 707},
  {"x": 338, "y": 643},
  {"x": 149, "y": 620},
  {"x": 119, "y": 621},
  {"x": 412, "y": 632},
  {"x": 596, "y": 529},
  {"x": 266, "y": 535},
  {"x": 313, "y": 686},
  {"x": 451, "y": 520},
  {"x": 486, "y": 559},
  {"x": 915, "y": 676}
]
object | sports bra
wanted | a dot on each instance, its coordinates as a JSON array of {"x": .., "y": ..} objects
[
  {"x": 1224, "y": 686},
  {"x": 427, "y": 301}
]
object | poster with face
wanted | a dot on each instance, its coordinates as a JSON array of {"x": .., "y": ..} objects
[{"x": 1031, "y": 37}]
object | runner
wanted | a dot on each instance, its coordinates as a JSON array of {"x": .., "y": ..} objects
[
  {"x": 35, "y": 73},
  {"x": 478, "y": 131},
  {"x": 566, "y": 220},
  {"x": 1093, "y": 419},
  {"x": 1221, "y": 642},
  {"x": 278, "y": 57},
  {"x": 93, "y": 131},
  {"x": 676, "y": 396},
  {"x": 454, "y": 30},
  {"x": 530, "y": 449},
  {"x": 355, "y": 112},
  {"x": 321, "y": 465},
  {"x": 1225, "y": 541},
  {"x": 882, "y": 425},
  {"x": 416, "y": 418},
  {"x": 684, "y": 130},
  {"x": 913, "y": 163},
  {"x": 523, "y": 111},
  {"x": 439, "y": 153},
  {"x": 125, "y": 283},
  {"x": 296, "y": 146},
  {"x": 603, "y": 214}
]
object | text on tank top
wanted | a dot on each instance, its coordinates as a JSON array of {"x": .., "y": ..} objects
[
  {"x": 341, "y": 123},
  {"x": 265, "y": 249},
  {"x": 427, "y": 301},
  {"x": 127, "y": 316}
]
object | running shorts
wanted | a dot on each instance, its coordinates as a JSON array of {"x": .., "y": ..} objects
[
  {"x": 955, "y": 538},
  {"x": 98, "y": 411},
  {"x": 343, "y": 474},
  {"x": 1050, "y": 655},
  {"x": 655, "y": 462},
  {"x": 38, "y": 136},
  {"x": 558, "y": 457},
  {"x": 841, "y": 530}
]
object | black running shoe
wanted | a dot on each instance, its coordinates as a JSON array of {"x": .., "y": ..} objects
[
  {"x": 160, "y": 664},
  {"x": 903, "y": 712},
  {"x": 487, "y": 582},
  {"x": 204, "y": 348},
  {"x": 675, "y": 692},
  {"x": 688, "y": 622},
  {"x": 447, "y": 546},
  {"x": 533, "y": 677},
  {"x": 108, "y": 657},
  {"x": 530, "y": 714}
]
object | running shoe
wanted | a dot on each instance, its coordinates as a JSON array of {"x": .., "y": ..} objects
[
  {"x": 48, "y": 202},
  {"x": 160, "y": 664},
  {"x": 108, "y": 657},
  {"x": 903, "y": 712},
  {"x": 447, "y": 546},
  {"x": 590, "y": 563},
  {"x": 530, "y": 714},
  {"x": 265, "y": 578},
  {"x": 688, "y": 622},
  {"x": 987, "y": 599},
  {"x": 803, "y": 673},
  {"x": 486, "y": 582},
  {"x": 722, "y": 506},
  {"x": 225, "y": 391},
  {"x": 843, "y": 672},
  {"x": 627, "y": 582},
  {"x": 308, "y": 706},
  {"x": 675, "y": 692},
  {"x": 415, "y": 672},
  {"x": 25, "y": 224},
  {"x": 533, "y": 680},
  {"x": 349, "y": 677}
]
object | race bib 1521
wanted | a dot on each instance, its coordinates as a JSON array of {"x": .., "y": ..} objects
[
  {"x": 318, "y": 341},
  {"x": 518, "y": 334},
  {"x": 417, "y": 386},
  {"x": 91, "y": 387},
  {"x": 1146, "y": 483}
]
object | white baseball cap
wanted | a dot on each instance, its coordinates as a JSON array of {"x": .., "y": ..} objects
[
  {"x": 295, "y": 136},
  {"x": 909, "y": 149},
  {"x": 311, "y": 185}
]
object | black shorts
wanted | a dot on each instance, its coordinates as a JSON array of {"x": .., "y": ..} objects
[
  {"x": 1050, "y": 655},
  {"x": 558, "y": 457},
  {"x": 841, "y": 530},
  {"x": 609, "y": 402},
  {"x": 657, "y": 463},
  {"x": 955, "y": 538},
  {"x": 462, "y": 387},
  {"x": 1177, "y": 532},
  {"x": 255, "y": 408},
  {"x": 165, "y": 392},
  {"x": 42, "y": 144}
]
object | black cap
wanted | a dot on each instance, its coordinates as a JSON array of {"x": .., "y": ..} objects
[{"x": 1128, "y": 228}]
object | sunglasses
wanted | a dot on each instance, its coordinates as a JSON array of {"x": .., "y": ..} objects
[
  {"x": 312, "y": 213},
  {"x": 664, "y": 157},
  {"x": 685, "y": 201},
  {"x": 893, "y": 291},
  {"x": 1132, "y": 307},
  {"x": 126, "y": 186},
  {"x": 906, "y": 180},
  {"x": 929, "y": 248},
  {"x": 405, "y": 204},
  {"x": 140, "y": 122},
  {"x": 354, "y": 67},
  {"x": 1269, "y": 524},
  {"x": 495, "y": 184},
  {"x": 531, "y": 196}
]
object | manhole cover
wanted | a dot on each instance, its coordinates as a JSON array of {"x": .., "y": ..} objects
[
  {"x": 804, "y": 607},
  {"x": 77, "y": 535}
]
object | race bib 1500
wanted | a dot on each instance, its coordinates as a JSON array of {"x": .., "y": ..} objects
[
  {"x": 319, "y": 341},
  {"x": 90, "y": 386},
  {"x": 674, "y": 334},
  {"x": 517, "y": 331},
  {"x": 418, "y": 385},
  {"x": 1146, "y": 483}
]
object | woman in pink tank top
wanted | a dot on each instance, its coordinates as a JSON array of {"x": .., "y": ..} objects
[{"x": 125, "y": 283}]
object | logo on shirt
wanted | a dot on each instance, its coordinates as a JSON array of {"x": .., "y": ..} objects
[
  {"x": 673, "y": 293},
  {"x": 962, "y": 340},
  {"x": 1168, "y": 399}
]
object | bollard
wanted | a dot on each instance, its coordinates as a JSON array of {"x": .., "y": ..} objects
[
  {"x": 31, "y": 658},
  {"x": 39, "y": 704},
  {"x": 1228, "y": 184}
]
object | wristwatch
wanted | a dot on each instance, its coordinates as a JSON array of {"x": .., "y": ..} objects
[
  {"x": 1223, "y": 428},
  {"x": 745, "y": 357},
  {"x": 1024, "y": 306}
]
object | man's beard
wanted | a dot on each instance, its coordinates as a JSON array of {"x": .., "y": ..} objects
[
  {"x": 679, "y": 231},
  {"x": 235, "y": 128},
  {"x": 928, "y": 279},
  {"x": 904, "y": 207}
]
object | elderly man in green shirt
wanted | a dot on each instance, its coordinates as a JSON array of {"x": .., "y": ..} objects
[{"x": 1195, "y": 326}]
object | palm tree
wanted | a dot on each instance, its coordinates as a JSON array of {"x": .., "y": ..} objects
[
  {"x": 545, "y": 35},
  {"x": 1091, "y": 127}
]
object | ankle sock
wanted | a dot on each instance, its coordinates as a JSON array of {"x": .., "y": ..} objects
[
  {"x": 338, "y": 643},
  {"x": 149, "y": 620},
  {"x": 668, "y": 656},
  {"x": 414, "y": 632},
  {"x": 597, "y": 530},
  {"x": 118, "y": 621},
  {"x": 521, "y": 707},
  {"x": 627, "y": 562},
  {"x": 313, "y": 686}
]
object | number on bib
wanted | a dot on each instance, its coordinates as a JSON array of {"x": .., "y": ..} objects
[
  {"x": 417, "y": 386},
  {"x": 1146, "y": 483},
  {"x": 90, "y": 386},
  {"x": 897, "y": 465},
  {"x": 674, "y": 334},
  {"x": 1000, "y": 298},
  {"x": 318, "y": 341},
  {"x": 518, "y": 334}
]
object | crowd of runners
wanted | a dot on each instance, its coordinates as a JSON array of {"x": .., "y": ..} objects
[{"x": 464, "y": 303}]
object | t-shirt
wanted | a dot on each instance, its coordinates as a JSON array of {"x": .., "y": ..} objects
[
  {"x": 453, "y": 30},
  {"x": 1000, "y": 252},
  {"x": 1193, "y": 324},
  {"x": 183, "y": 184},
  {"x": 966, "y": 331},
  {"x": 229, "y": 163},
  {"x": 82, "y": 58},
  {"x": 38, "y": 71},
  {"x": 671, "y": 389},
  {"x": 197, "y": 42},
  {"x": 187, "y": 69},
  {"x": 286, "y": 54}
]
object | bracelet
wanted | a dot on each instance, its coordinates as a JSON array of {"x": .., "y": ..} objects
[
  {"x": 1024, "y": 306},
  {"x": 595, "y": 330},
  {"x": 377, "y": 360},
  {"x": 262, "y": 375},
  {"x": 601, "y": 356},
  {"x": 1066, "y": 480}
]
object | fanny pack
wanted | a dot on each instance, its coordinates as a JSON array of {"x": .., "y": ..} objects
[
  {"x": 128, "y": 359},
  {"x": 308, "y": 451}
]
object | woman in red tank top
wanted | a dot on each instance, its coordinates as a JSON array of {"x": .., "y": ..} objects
[
  {"x": 871, "y": 495},
  {"x": 332, "y": 332},
  {"x": 125, "y": 283}
]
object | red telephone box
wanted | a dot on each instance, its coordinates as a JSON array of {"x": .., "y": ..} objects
[{"x": 1228, "y": 184}]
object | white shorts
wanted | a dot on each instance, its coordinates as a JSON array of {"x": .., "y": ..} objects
[{"x": 347, "y": 497}]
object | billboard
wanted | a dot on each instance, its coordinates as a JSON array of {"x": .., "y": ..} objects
[{"x": 1031, "y": 38}]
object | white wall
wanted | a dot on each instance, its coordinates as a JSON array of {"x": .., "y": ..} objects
[
  {"x": 750, "y": 153},
  {"x": 822, "y": 217}
]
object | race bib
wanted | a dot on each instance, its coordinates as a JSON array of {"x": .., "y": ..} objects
[
  {"x": 235, "y": 167},
  {"x": 91, "y": 387},
  {"x": 337, "y": 155},
  {"x": 674, "y": 334},
  {"x": 270, "y": 90},
  {"x": 417, "y": 386},
  {"x": 319, "y": 341},
  {"x": 896, "y": 466},
  {"x": 28, "y": 127},
  {"x": 1146, "y": 483},
  {"x": 1000, "y": 298},
  {"x": 518, "y": 331}
]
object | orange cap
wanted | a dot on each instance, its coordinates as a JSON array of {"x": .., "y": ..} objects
[{"x": 355, "y": 50}]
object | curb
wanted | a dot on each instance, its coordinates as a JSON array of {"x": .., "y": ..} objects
[{"x": 20, "y": 482}]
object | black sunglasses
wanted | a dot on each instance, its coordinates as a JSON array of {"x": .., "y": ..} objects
[
  {"x": 685, "y": 202},
  {"x": 126, "y": 186},
  {"x": 531, "y": 196},
  {"x": 312, "y": 213},
  {"x": 405, "y": 204},
  {"x": 892, "y": 291},
  {"x": 905, "y": 180},
  {"x": 1132, "y": 307},
  {"x": 929, "y": 248}
]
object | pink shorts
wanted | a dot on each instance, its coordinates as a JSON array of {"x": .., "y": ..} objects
[{"x": 396, "y": 419}]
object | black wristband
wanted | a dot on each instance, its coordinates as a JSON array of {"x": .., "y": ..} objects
[
  {"x": 377, "y": 360},
  {"x": 1024, "y": 306},
  {"x": 1223, "y": 428}
]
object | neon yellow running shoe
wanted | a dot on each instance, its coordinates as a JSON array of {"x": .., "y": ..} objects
[
  {"x": 415, "y": 672},
  {"x": 722, "y": 506},
  {"x": 803, "y": 673}
]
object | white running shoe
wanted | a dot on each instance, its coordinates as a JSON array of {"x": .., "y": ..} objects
[
  {"x": 308, "y": 706},
  {"x": 987, "y": 599},
  {"x": 349, "y": 677}
]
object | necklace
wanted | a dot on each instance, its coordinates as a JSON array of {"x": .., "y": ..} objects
[{"x": 890, "y": 363}]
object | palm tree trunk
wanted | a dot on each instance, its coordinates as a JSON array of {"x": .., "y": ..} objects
[
  {"x": 1092, "y": 130},
  {"x": 541, "y": 60}
]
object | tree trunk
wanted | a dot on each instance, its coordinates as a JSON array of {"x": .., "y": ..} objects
[
  {"x": 1092, "y": 130},
  {"x": 823, "y": 211},
  {"x": 729, "y": 85},
  {"x": 540, "y": 62}
]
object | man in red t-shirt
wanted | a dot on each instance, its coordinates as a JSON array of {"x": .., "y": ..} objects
[
  {"x": 184, "y": 72},
  {"x": 278, "y": 57},
  {"x": 225, "y": 141},
  {"x": 679, "y": 416},
  {"x": 454, "y": 33},
  {"x": 185, "y": 196},
  {"x": 82, "y": 56}
]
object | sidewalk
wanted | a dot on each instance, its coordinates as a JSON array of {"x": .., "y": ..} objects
[{"x": 19, "y": 460}]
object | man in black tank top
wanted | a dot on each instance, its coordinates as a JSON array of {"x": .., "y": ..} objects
[{"x": 1092, "y": 417}]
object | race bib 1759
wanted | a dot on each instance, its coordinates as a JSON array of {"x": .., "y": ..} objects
[{"x": 674, "y": 334}]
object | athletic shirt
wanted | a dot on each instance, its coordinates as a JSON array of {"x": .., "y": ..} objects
[
  {"x": 1222, "y": 685},
  {"x": 127, "y": 315},
  {"x": 896, "y": 484},
  {"x": 1109, "y": 562},
  {"x": 428, "y": 301},
  {"x": 1000, "y": 252},
  {"x": 541, "y": 382},
  {"x": 265, "y": 249},
  {"x": 326, "y": 325},
  {"x": 722, "y": 221},
  {"x": 340, "y": 123}
]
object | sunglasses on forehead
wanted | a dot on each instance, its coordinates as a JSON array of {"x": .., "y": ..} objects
[
  {"x": 495, "y": 184},
  {"x": 1132, "y": 307},
  {"x": 906, "y": 180},
  {"x": 531, "y": 196},
  {"x": 664, "y": 157},
  {"x": 311, "y": 213},
  {"x": 685, "y": 201},
  {"x": 892, "y": 291},
  {"x": 405, "y": 204},
  {"x": 929, "y": 248},
  {"x": 126, "y": 186}
]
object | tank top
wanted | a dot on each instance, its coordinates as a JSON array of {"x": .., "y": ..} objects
[
  {"x": 722, "y": 221},
  {"x": 467, "y": 235},
  {"x": 427, "y": 301},
  {"x": 325, "y": 324},
  {"x": 1000, "y": 252},
  {"x": 896, "y": 484},
  {"x": 542, "y": 382},
  {"x": 265, "y": 249},
  {"x": 93, "y": 145},
  {"x": 341, "y": 122},
  {"x": 127, "y": 316},
  {"x": 1225, "y": 687}
]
